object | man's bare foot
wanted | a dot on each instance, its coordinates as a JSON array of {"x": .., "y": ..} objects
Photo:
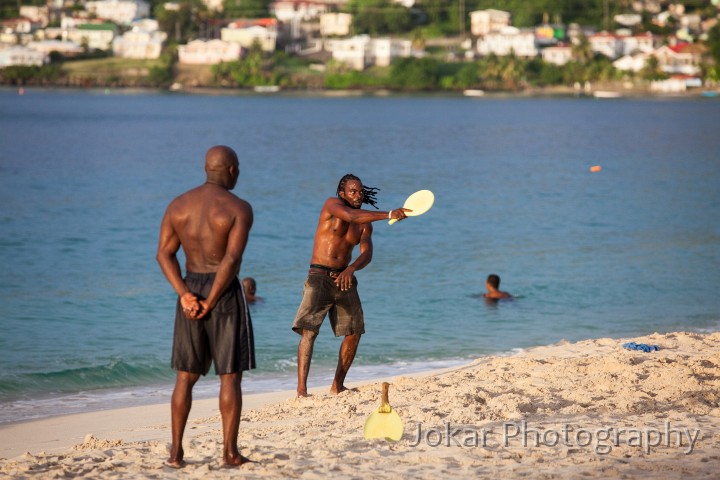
[
  {"x": 175, "y": 463},
  {"x": 302, "y": 393},
  {"x": 337, "y": 390},
  {"x": 176, "y": 458},
  {"x": 235, "y": 460}
]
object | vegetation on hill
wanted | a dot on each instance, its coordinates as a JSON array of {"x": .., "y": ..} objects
[{"x": 428, "y": 19}]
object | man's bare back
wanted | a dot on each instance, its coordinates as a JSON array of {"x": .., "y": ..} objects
[
  {"x": 204, "y": 219},
  {"x": 212, "y": 225}
]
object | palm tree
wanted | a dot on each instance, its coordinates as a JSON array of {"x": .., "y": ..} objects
[{"x": 581, "y": 50}]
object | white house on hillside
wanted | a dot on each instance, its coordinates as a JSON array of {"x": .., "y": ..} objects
[
  {"x": 46, "y": 47},
  {"x": 139, "y": 43},
  {"x": 97, "y": 36},
  {"x": 508, "y": 40},
  {"x": 632, "y": 63},
  {"x": 483, "y": 22},
  {"x": 247, "y": 32},
  {"x": 201, "y": 52},
  {"x": 606, "y": 43},
  {"x": 335, "y": 24},
  {"x": 122, "y": 12},
  {"x": 298, "y": 10},
  {"x": 362, "y": 51},
  {"x": 645, "y": 43},
  {"x": 18, "y": 25},
  {"x": 293, "y": 13},
  {"x": 38, "y": 14},
  {"x": 557, "y": 54},
  {"x": 21, "y": 56},
  {"x": 214, "y": 5},
  {"x": 681, "y": 59}
]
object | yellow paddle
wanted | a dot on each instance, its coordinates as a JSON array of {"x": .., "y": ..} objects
[
  {"x": 384, "y": 422},
  {"x": 419, "y": 202}
]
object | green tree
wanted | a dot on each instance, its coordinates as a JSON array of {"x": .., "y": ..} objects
[
  {"x": 246, "y": 8},
  {"x": 581, "y": 51},
  {"x": 182, "y": 24},
  {"x": 161, "y": 75},
  {"x": 529, "y": 13},
  {"x": 379, "y": 17},
  {"x": 443, "y": 15},
  {"x": 253, "y": 70},
  {"x": 468, "y": 76},
  {"x": 30, "y": 75},
  {"x": 415, "y": 74},
  {"x": 651, "y": 71},
  {"x": 341, "y": 76},
  {"x": 602, "y": 69},
  {"x": 511, "y": 72},
  {"x": 713, "y": 43},
  {"x": 550, "y": 74}
]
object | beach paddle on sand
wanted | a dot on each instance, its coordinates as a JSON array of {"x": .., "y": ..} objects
[
  {"x": 384, "y": 422},
  {"x": 419, "y": 202}
]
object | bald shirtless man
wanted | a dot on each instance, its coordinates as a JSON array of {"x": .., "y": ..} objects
[
  {"x": 212, "y": 322},
  {"x": 331, "y": 285}
]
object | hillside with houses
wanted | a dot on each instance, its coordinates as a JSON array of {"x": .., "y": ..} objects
[{"x": 649, "y": 45}]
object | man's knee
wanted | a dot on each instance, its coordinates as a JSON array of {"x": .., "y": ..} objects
[
  {"x": 354, "y": 337},
  {"x": 231, "y": 377},
  {"x": 187, "y": 377},
  {"x": 309, "y": 334}
]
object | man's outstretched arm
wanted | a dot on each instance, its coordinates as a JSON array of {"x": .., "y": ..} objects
[{"x": 337, "y": 208}]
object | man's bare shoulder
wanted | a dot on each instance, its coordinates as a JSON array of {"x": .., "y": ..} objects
[
  {"x": 235, "y": 205},
  {"x": 330, "y": 204},
  {"x": 333, "y": 201},
  {"x": 187, "y": 198},
  {"x": 237, "y": 201}
]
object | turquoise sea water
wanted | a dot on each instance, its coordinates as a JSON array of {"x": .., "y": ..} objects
[{"x": 85, "y": 178}]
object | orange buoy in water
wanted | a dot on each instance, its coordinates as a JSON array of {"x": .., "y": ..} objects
[{"x": 595, "y": 168}]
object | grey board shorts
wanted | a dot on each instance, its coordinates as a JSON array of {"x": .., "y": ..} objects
[
  {"x": 225, "y": 336},
  {"x": 320, "y": 297}
]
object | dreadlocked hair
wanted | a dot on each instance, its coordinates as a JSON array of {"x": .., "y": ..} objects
[{"x": 369, "y": 193}]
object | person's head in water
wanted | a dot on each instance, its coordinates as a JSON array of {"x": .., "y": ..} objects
[
  {"x": 250, "y": 288},
  {"x": 492, "y": 283},
  {"x": 351, "y": 190},
  {"x": 222, "y": 166}
]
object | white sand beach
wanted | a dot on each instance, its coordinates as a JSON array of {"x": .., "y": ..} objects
[{"x": 570, "y": 410}]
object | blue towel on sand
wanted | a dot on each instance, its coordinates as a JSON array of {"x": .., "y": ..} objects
[{"x": 641, "y": 346}]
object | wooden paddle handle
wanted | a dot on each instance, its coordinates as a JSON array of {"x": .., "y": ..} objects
[{"x": 385, "y": 391}]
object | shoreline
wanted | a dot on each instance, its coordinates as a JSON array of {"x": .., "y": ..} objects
[
  {"x": 538, "y": 412},
  {"x": 256, "y": 383},
  {"x": 534, "y": 92}
]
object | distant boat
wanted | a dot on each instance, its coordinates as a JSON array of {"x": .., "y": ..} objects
[
  {"x": 709, "y": 93},
  {"x": 473, "y": 93},
  {"x": 606, "y": 94},
  {"x": 267, "y": 88}
]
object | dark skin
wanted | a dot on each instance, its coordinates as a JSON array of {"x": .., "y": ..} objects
[
  {"x": 250, "y": 288},
  {"x": 494, "y": 293},
  {"x": 342, "y": 226},
  {"x": 212, "y": 226}
]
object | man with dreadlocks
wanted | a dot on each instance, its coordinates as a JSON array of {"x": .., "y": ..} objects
[{"x": 331, "y": 285}]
